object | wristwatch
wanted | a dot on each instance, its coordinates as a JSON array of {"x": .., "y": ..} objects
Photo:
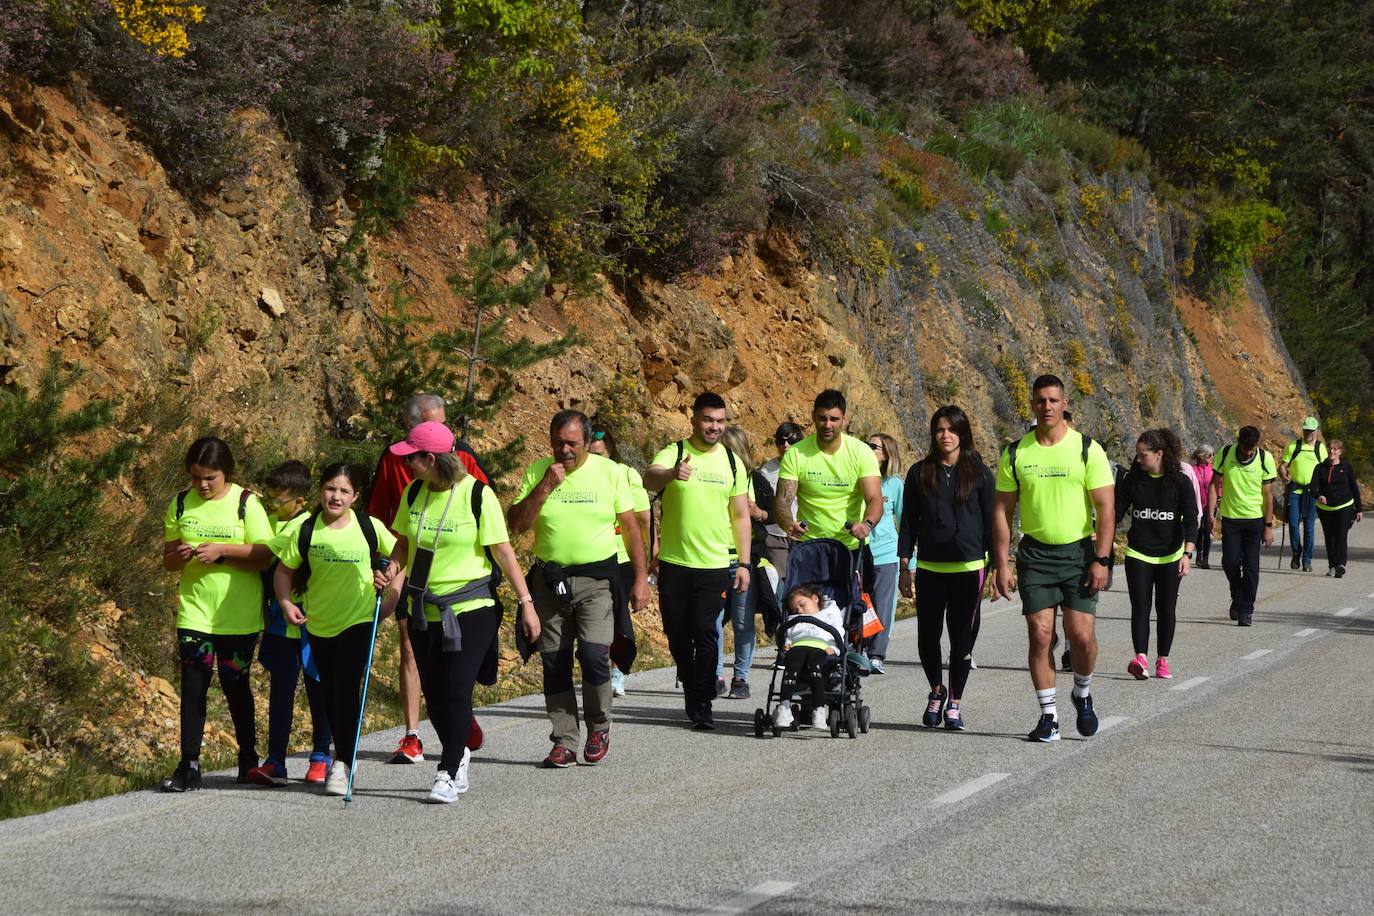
[
  {"x": 1105, "y": 561},
  {"x": 1188, "y": 554}
]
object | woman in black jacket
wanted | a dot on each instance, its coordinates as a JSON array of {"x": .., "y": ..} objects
[
  {"x": 1162, "y": 503},
  {"x": 1338, "y": 504},
  {"x": 946, "y": 512}
]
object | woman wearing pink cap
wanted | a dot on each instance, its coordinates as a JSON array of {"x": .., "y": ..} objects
[{"x": 450, "y": 536}]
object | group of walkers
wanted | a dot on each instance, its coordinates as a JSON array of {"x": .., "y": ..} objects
[{"x": 434, "y": 544}]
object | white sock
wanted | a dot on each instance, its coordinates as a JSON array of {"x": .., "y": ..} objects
[
  {"x": 1081, "y": 683},
  {"x": 1047, "y": 705}
]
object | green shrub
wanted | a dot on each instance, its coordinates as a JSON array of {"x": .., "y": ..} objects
[{"x": 1234, "y": 235}]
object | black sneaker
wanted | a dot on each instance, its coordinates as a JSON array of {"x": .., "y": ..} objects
[
  {"x": 1066, "y": 662},
  {"x": 185, "y": 779},
  {"x": 1046, "y": 730},
  {"x": 246, "y": 766},
  {"x": 1294, "y": 564},
  {"x": 1234, "y": 615},
  {"x": 703, "y": 721},
  {"x": 935, "y": 705},
  {"x": 1087, "y": 719},
  {"x": 739, "y": 689},
  {"x": 1243, "y": 621},
  {"x": 721, "y": 687},
  {"x": 1340, "y": 571}
]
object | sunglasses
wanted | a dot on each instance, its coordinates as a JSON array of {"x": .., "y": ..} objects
[
  {"x": 877, "y": 446},
  {"x": 598, "y": 435},
  {"x": 792, "y": 441}
]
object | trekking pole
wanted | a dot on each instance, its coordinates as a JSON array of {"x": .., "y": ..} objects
[
  {"x": 381, "y": 564},
  {"x": 1283, "y": 531}
]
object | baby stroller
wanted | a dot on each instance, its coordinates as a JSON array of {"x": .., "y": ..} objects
[{"x": 829, "y": 564}]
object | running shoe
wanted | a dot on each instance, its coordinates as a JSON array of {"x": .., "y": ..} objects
[
  {"x": 1294, "y": 564},
  {"x": 318, "y": 772},
  {"x": 954, "y": 719},
  {"x": 460, "y": 779},
  {"x": 782, "y": 715},
  {"x": 1046, "y": 730},
  {"x": 560, "y": 758},
  {"x": 1139, "y": 667},
  {"x": 721, "y": 687},
  {"x": 702, "y": 720},
  {"x": 1243, "y": 621},
  {"x": 1307, "y": 567},
  {"x": 445, "y": 791},
  {"x": 819, "y": 718},
  {"x": 1330, "y": 571},
  {"x": 935, "y": 704},
  {"x": 617, "y": 682},
  {"x": 1087, "y": 719},
  {"x": 186, "y": 778},
  {"x": 476, "y": 738},
  {"x": 1162, "y": 668},
  {"x": 337, "y": 783},
  {"x": 875, "y": 665},
  {"x": 410, "y": 750},
  {"x": 1340, "y": 572},
  {"x": 270, "y": 773},
  {"x": 739, "y": 689},
  {"x": 1065, "y": 662},
  {"x": 598, "y": 744}
]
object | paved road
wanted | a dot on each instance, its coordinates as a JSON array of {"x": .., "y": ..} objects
[{"x": 1244, "y": 784}]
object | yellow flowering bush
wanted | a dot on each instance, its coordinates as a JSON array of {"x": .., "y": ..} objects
[{"x": 159, "y": 25}]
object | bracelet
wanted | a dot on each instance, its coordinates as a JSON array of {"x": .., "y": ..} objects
[{"x": 524, "y": 598}]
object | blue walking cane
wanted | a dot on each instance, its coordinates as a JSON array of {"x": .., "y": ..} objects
[{"x": 378, "y": 563}]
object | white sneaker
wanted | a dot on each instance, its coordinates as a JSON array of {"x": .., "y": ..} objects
[
  {"x": 337, "y": 782},
  {"x": 782, "y": 715},
  {"x": 617, "y": 682},
  {"x": 818, "y": 716},
  {"x": 460, "y": 781},
  {"x": 445, "y": 791}
]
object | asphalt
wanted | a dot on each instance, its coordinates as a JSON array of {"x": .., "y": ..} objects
[{"x": 1244, "y": 784}]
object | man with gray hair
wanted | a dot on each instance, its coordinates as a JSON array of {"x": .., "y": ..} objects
[{"x": 389, "y": 482}]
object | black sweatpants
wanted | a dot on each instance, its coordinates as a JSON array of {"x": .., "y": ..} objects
[
  {"x": 200, "y": 654},
  {"x": 1335, "y": 532},
  {"x": 690, "y": 600},
  {"x": 952, "y": 597},
  {"x": 341, "y": 661},
  {"x": 1160, "y": 580},
  {"x": 804, "y": 664},
  {"x": 1241, "y": 539},
  {"x": 447, "y": 678}
]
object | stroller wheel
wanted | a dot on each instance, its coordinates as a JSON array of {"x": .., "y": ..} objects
[
  {"x": 851, "y": 721},
  {"x": 865, "y": 716},
  {"x": 833, "y": 720},
  {"x": 759, "y": 719}
]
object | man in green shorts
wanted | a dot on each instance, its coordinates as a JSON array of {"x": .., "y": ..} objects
[
  {"x": 1300, "y": 459},
  {"x": 706, "y": 527},
  {"x": 1243, "y": 483},
  {"x": 1060, "y": 479},
  {"x": 834, "y": 479},
  {"x": 573, "y": 501}
]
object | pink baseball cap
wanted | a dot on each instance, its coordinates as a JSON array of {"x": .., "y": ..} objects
[{"x": 431, "y": 436}]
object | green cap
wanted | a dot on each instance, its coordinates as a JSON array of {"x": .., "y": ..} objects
[{"x": 1310, "y": 423}]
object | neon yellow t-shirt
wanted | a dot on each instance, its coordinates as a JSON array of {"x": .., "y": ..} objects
[
  {"x": 640, "y": 497},
  {"x": 697, "y": 532},
  {"x": 1302, "y": 461},
  {"x": 217, "y": 598},
  {"x": 1054, "y": 495},
  {"x": 281, "y": 531},
  {"x": 339, "y": 594},
  {"x": 1242, "y": 495},
  {"x": 577, "y": 522},
  {"x": 828, "y": 490},
  {"x": 461, "y": 556}
]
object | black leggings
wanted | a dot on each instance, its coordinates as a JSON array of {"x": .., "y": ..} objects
[
  {"x": 804, "y": 661},
  {"x": 956, "y": 597},
  {"x": 199, "y": 653},
  {"x": 447, "y": 679},
  {"x": 1161, "y": 579},
  {"x": 1335, "y": 531},
  {"x": 341, "y": 661}
]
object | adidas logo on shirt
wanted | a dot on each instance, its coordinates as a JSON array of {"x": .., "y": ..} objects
[{"x": 1153, "y": 515}]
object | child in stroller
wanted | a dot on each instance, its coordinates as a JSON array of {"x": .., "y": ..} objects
[{"x": 806, "y": 648}]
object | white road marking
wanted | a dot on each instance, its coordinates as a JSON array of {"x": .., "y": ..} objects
[
  {"x": 1190, "y": 683},
  {"x": 1108, "y": 722},
  {"x": 1258, "y": 653},
  {"x": 959, "y": 793},
  {"x": 1370, "y": 595},
  {"x": 1345, "y": 612},
  {"x": 1306, "y": 631},
  {"x": 760, "y": 893}
]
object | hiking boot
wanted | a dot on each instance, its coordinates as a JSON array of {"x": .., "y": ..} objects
[
  {"x": 445, "y": 791},
  {"x": 560, "y": 758},
  {"x": 954, "y": 719},
  {"x": 270, "y": 773},
  {"x": 739, "y": 689},
  {"x": 186, "y": 778},
  {"x": 598, "y": 743},
  {"x": 819, "y": 718},
  {"x": 410, "y": 750},
  {"x": 875, "y": 665},
  {"x": 721, "y": 687},
  {"x": 317, "y": 772},
  {"x": 1087, "y": 719},
  {"x": 617, "y": 682},
  {"x": 1295, "y": 563},
  {"x": 782, "y": 715},
  {"x": 460, "y": 779},
  {"x": 337, "y": 783},
  {"x": 476, "y": 738},
  {"x": 935, "y": 704},
  {"x": 1243, "y": 621},
  {"x": 1046, "y": 730},
  {"x": 1139, "y": 667},
  {"x": 1340, "y": 572},
  {"x": 1162, "y": 669}
]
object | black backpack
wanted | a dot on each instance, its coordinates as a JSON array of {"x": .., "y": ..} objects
[
  {"x": 1316, "y": 450},
  {"x": 301, "y": 577},
  {"x": 1226, "y": 450},
  {"x": 413, "y": 491},
  {"x": 1010, "y": 450},
  {"x": 243, "y": 502},
  {"x": 682, "y": 450}
]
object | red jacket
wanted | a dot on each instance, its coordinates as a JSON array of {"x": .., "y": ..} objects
[{"x": 392, "y": 477}]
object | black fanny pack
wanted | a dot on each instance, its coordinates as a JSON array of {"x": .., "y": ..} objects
[{"x": 556, "y": 579}]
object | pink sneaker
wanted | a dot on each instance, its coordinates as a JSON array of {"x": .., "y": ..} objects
[
  {"x": 1139, "y": 667},
  {"x": 1162, "y": 668}
]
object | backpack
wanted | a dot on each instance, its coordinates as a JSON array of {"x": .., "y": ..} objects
[
  {"x": 1226, "y": 450},
  {"x": 243, "y": 502},
  {"x": 681, "y": 450},
  {"x": 1316, "y": 450},
  {"x": 413, "y": 491},
  {"x": 301, "y": 577},
  {"x": 1011, "y": 456}
]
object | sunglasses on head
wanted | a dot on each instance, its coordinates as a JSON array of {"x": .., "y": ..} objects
[{"x": 598, "y": 435}]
